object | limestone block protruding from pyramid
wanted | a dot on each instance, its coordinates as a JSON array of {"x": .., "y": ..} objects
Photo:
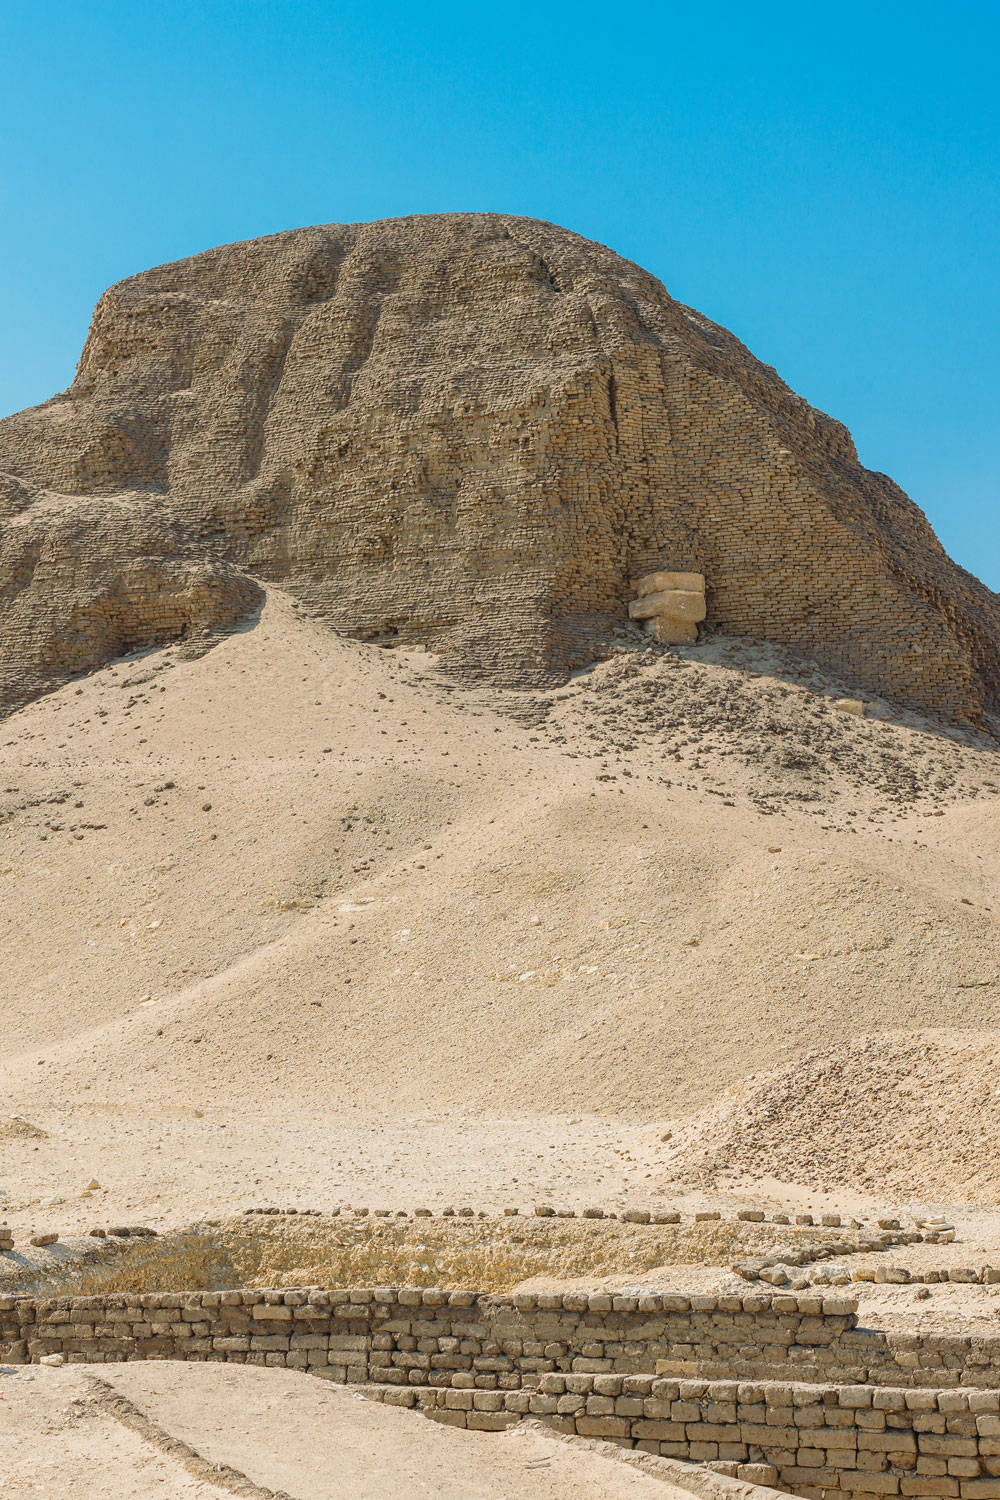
[
  {"x": 680, "y": 604},
  {"x": 670, "y": 606},
  {"x": 652, "y": 583},
  {"x": 669, "y": 632}
]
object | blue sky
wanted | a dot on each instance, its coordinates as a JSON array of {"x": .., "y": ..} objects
[{"x": 821, "y": 179}]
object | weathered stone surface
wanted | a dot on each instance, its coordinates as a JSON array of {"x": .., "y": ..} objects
[
  {"x": 677, "y": 604},
  {"x": 84, "y": 580},
  {"x": 670, "y": 632},
  {"x": 469, "y": 431},
  {"x": 652, "y": 583}
]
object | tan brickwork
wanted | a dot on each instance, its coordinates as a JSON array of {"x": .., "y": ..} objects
[
  {"x": 413, "y": 1336},
  {"x": 811, "y": 1440}
]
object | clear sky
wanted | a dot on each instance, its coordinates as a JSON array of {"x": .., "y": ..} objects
[{"x": 822, "y": 179}]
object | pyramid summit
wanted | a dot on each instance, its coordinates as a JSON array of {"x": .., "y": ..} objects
[{"x": 471, "y": 432}]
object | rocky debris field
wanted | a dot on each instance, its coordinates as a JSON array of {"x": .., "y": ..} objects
[
  {"x": 913, "y": 1114},
  {"x": 801, "y": 737}
]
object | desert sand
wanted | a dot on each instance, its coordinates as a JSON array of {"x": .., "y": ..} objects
[
  {"x": 167, "y": 1429},
  {"x": 298, "y": 920}
]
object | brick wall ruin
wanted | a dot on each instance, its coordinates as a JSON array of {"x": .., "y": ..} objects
[
  {"x": 469, "y": 1341},
  {"x": 811, "y": 1440},
  {"x": 468, "y": 431}
]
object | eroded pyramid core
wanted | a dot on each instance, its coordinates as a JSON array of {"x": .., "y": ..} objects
[{"x": 470, "y": 432}]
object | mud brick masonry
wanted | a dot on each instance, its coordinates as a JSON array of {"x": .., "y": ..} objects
[
  {"x": 469, "y": 431},
  {"x": 414, "y": 1336},
  {"x": 813, "y": 1440},
  {"x": 780, "y": 1389}
]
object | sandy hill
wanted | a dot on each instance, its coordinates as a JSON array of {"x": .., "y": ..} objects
[
  {"x": 527, "y": 886},
  {"x": 468, "y": 432},
  {"x": 904, "y": 1113},
  {"x": 296, "y": 880}
]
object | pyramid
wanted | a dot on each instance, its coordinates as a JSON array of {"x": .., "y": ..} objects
[{"x": 469, "y": 432}]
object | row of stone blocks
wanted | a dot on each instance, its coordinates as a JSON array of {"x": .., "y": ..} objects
[
  {"x": 813, "y": 1440},
  {"x": 413, "y": 1336}
]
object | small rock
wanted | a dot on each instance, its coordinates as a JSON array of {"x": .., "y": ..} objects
[
  {"x": 775, "y": 1275},
  {"x": 52, "y": 1359},
  {"x": 43, "y": 1239}
]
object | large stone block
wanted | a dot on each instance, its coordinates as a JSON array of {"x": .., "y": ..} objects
[
  {"x": 677, "y": 604},
  {"x": 654, "y": 583},
  {"x": 668, "y": 632}
]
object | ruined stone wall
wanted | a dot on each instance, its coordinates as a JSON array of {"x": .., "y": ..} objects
[
  {"x": 810, "y": 1440},
  {"x": 475, "y": 432},
  {"x": 415, "y": 1337}
]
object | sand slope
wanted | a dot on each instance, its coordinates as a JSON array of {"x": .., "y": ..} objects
[
  {"x": 297, "y": 876},
  {"x": 283, "y": 1434}
]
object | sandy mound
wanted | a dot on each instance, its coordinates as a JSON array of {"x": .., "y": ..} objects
[
  {"x": 302, "y": 873},
  {"x": 906, "y": 1114},
  {"x": 299, "y": 882}
]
